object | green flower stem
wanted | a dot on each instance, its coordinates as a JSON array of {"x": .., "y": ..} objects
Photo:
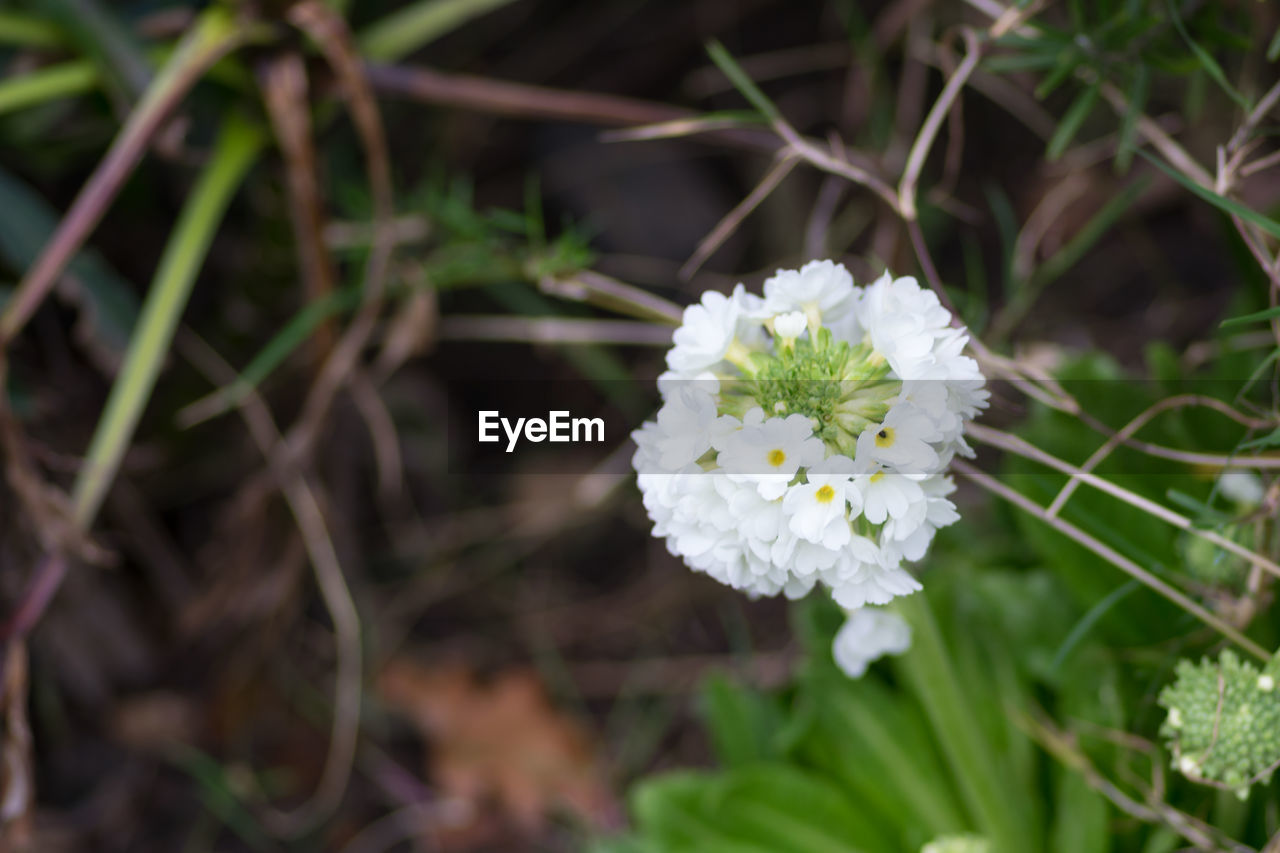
[
  {"x": 47, "y": 84},
  {"x": 188, "y": 245},
  {"x": 928, "y": 671}
]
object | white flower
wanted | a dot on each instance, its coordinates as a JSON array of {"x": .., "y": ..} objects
[
  {"x": 867, "y": 635},
  {"x": 818, "y": 509},
  {"x": 859, "y": 582},
  {"x": 821, "y": 290},
  {"x": 781, "y": 460},
  {"x": 909, "y": 536},
  {"x": 902, "y": 440},
  {"x": 704, "y": 337},
  {"x": 904, "y": 322},
  {"x": 769, "y": 452},
  {"x": 684, "y": 426},
  {"x": 790, "y": 325},
  {"x": 884, "y": 494}
]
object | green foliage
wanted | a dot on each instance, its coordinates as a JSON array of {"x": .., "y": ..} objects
[
  {"x": 871, "y": 765},
  {"x": 1017, "y": 625},
  {"x": 1131, "y": 45}
]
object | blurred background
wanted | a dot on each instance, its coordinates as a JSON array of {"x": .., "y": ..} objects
[{"x": 269, "y": 601}]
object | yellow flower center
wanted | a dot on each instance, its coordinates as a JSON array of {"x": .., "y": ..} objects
[
  {"x": 825, "y": 495},
  {"x": 884, "y": 438},
  {"x": 877, "y": 476},
  {"x": 777, "y": 457}
]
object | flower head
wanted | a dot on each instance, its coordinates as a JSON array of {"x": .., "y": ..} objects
[{"x": 804, "y": 435}]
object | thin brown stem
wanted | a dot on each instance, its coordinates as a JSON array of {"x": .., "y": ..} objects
[
  {"x": 726, "y": 226},
  {"x": 1020, "y": 447},
  {"x": 1112, "y": 556},
  {"x": 933, "y": 123},
  {"x": 211, "y": 38},
  {"x": 1142, "y": 419},
  {"x": 284, "y": 88}
]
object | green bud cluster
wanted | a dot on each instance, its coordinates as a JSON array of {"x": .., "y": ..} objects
[
  {"x": 841, "y": 387},
  {"x": 957, "y": 844},
  {"x": 1223, "y": 724}
]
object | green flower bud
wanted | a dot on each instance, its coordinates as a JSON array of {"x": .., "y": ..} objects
[{"x": 1223, "y": 725}]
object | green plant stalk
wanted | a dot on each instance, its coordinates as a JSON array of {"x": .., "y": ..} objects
[
  {"x": 47, "y": 84},
  {"x": 234, "y": 153},
  {"x": 932, "y": 679},
  {"x": 404, "y": 31}
]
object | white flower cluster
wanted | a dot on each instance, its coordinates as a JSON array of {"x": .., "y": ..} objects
[{"x": 804, "y": 435}]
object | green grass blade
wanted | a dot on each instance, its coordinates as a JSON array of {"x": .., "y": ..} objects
[
  {"x": 743, "y": 83},
  {"x": 47, "y": 84},
  {"x": 188, "y": 245},
  {"x": 404, "y": 31},
  {"x": 1210, "y": 65},
  {"x": 1224, "y": 204},
  {"x": 271, "y": 356},
  {"x": 28, "y": 31},
  {"x": 1255, "y": 317},
  {"x": 1129, "y": 125},
  {"x": 1084, "y": 239},
  {"x": 1086, "y": 623},
  {"x": 1070, "y": 124}
]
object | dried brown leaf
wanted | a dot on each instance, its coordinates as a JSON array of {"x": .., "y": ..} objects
[{"x": 501, "y": 742}]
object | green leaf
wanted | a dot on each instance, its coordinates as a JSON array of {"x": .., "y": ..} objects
[
  {"x": 28, "y": 31},
  {"x": 1089, "y": 234},
  {"x": 743, "y": 83},
  {"x": 742, "y": 722},
  {"x": 1070, "y": 124},
  {"x": 184, "y": 254},
  {"x": 1080, "y": 815},
  {"x": 405, "y": 30},
  {"x": 673, "y": 811},
  {"x": 52, "y": 83},
  {"x": 1273, "y": 49},
  {"x": 1210, "y": 65},
  {"x": 986, "y": 787},
  {"x": 1269, "y": 440},
  {"x": 1129, "y": 125},
  {"x": 1255, "y": 317},
  {"x": 891, "y": 764},
  {"x": 1086, "y": 623},
  {"x": 766, "y": 808},
  {"x": 1222, "y": 203}
]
